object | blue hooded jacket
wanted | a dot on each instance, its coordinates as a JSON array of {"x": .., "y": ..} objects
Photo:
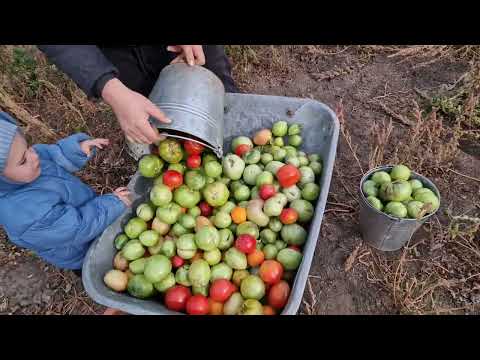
[{"x": 57, "y": 216}]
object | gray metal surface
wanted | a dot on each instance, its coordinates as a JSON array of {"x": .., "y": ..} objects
[
  {"x": 244, "y": 114},
  {"x": 385, "y": 232}
]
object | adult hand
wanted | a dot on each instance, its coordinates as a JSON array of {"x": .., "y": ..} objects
[
  {"x": 133, "y": 111},
  {"x": 191, "y": 54}
]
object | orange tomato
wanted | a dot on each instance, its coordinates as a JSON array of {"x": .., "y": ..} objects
[
  {"x": 255, "y": 258},
  {"x": 268, "y": 310},
  {"x": 239, "y": 215},
  {"x": 216, "y": 308}
]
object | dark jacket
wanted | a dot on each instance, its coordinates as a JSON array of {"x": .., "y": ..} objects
[{"x": 90, "y": 74}]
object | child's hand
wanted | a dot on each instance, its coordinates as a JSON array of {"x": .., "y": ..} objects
[
  {"x": 87, "y": 145},
  {"x": 124, "y": 195}
]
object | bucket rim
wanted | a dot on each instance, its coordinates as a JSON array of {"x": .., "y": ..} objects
[{"x": 389, "y": 167}]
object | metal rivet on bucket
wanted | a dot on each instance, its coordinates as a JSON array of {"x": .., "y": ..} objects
[
  {"x": 193, "y": 98},
  {"x": 385, "y": 232}
]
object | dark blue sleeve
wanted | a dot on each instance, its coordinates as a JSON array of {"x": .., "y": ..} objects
[
  {"x": 84, "y": 64},
  {"x": 65, "y": 225},
  {"x": 66, "y": 153}
]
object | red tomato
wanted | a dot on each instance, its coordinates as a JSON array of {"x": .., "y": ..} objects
[
  {"x": 266, "y": 191},
  {"x": 177, "y": 261},
  {"x": 294, "y": 247},
  {"x": 205, "y": 209},
  {"x": 288, "y": 216},
  {"x": 270, "y": 271},
  {"x": 194, "y": 161},
  {"x": 192, "y": 147},
  {"x": 268, "y": 310},
  {"x": 176, "y": 297},
  {"x": 242, "y": 149},
  {"x": 278, "y": 295},
  {"x": 221, "y": 290},
  {"x": 246, "y": 243},
  {"x": 197, "y": 305},
  {"x": 172, "y": 179},
  {"x": 288, "y": 175}
]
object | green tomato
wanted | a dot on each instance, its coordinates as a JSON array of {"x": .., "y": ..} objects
[
  {"x": 375, "y": 202},
  {"x": 252, "y": 157},
  {"x": 234, "y": 304},
  {"x": 295, "y": 140},
  {"x": 274, "y": 166},
  {"x": 289, "y": 258},
  {"x": 228, "y": 207},
  {"x": 252, "y": 287},
  {"x": 270, "y": 251},
  {"x": 399, "y": 190},
  {"x": 177, "y": 167},
  {"x": 234, "y": 185},
  {"x": 169, "y": 214},
  {"x": 178, "y": 230},
  {"x": 157, "y": 268},
  {"x": 294, "y": 234},
  {"x": 149, "y": 238},
  {"x": 279, "y": 154},
  {"x": 226, "y": 239},
  {"x": 381, "y": 177},
  {"x": 140, "y": 287},
  {"x": 213, "y": 169},
  {"x": 181, "y": 276},
  {"x": 216, "y": 194},
  {"x": 186, "y": 247},
  {"x": 165, "y": 284},
  {"x": 279, "y": 244},
  {"x": 414, "y": 209},
  {"x": 221, "y": 271},
  {"x": 294, "y": 129},
  {"x": 185, "y": 197},
  {"x": 233, "y": 166},
  {"x": 292, "y": 160},
  {"x": 239, "y": 140},
  {"x": 120, "y": 241},
  {"x": 268, "y": 236},
  {"x": 187, "y": 221},
  {"x": 396, "y": 209},
  {"x": 207, "y": 157},
  {"x": 266, "y": 158},
  {"x": 161, "y": 195},
  {"x": 308, "y": 176},
  {"x": 370, "y": 188},
  {"x": 428, "y": 198},
  {"x": 316, "y": 167},
  {"x": 304, "y": 209},
  {"x": 145, "y": 212},
  {"x": 274, "y": 205},
  {"x": 249, "y": 228},
  {"x": 242, "y": 193},
  {"x": 280, "y": 128},
  {"x": 195, "y": 179},
  {"x": 415, "y": 184},
  {"x": 169, "y": 248},
  {"x": 311, "y": 191},
  {"x": 291, "y": 150},
  {"x": 150, "y": 166},
  {"x": 155, "y": 249},
  {"x": 251, "y": 173},
  {"x": 275, "y": 224},
  {"x": 265, "y": 177},
  {"x": 303, "y": 160},
  {"x": 207, "y": 238},
  {"x": 400, "y": 172},
  {"x": 314, "y": 158},
  {"x": 212, "y": 257},
  {"x": 236, "y": 259},
  {"x": 171, "y": 151},
  {"x": 194, "y": 211},
  {"x": 137, "y": 266},
  {"x": 135, "y": 227},
  {"x": 199, "y": 273},
  {"x": 222, "y": 220},
  {"x": 255, "y": 193}
]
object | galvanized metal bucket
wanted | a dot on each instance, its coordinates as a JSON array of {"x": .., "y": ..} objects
[
  {"x": 385, "y": 232},
  {"x": 194, "y": 99}
]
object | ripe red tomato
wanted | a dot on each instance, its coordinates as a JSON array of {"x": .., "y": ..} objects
[
  {"x": 172, "y": 179},
  {"x": 246, "y": 243},
  {"x": 192, "y": 147},
  {"x": 271, "y": 271},
  {"x": 194, "y": 161},
  {"x": 197, "y": 305},
  {"x": 205, "y": 209},
  {"x": 242, "y": 149},
  {"x": 266, "y": 191},
  {"x": 221, "y": 290},
  {"x": 176, "y": 297},
  {"x": 278, "y": 295},
  {"x": 294, "y": 247},
  {"x": 288, "y": 216},
  {"x": 177, "y": 261},
  {"x": 288, "y": 175}
]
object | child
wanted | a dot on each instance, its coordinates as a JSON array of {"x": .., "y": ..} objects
[{"x": 43, "y": 207}]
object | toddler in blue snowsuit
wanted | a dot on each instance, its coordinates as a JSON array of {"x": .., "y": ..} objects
[{"x": 43, "y": 207}]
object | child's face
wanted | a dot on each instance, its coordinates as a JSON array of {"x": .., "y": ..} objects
[{"x": 23, "y": 164}]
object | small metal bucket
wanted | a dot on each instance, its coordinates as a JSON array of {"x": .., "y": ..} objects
[
  {"x": 385, "y": 232},
  {"x": 193, "y": 98}
]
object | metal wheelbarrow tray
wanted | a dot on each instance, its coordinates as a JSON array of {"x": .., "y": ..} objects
[{"x": 244, "y": 115}]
